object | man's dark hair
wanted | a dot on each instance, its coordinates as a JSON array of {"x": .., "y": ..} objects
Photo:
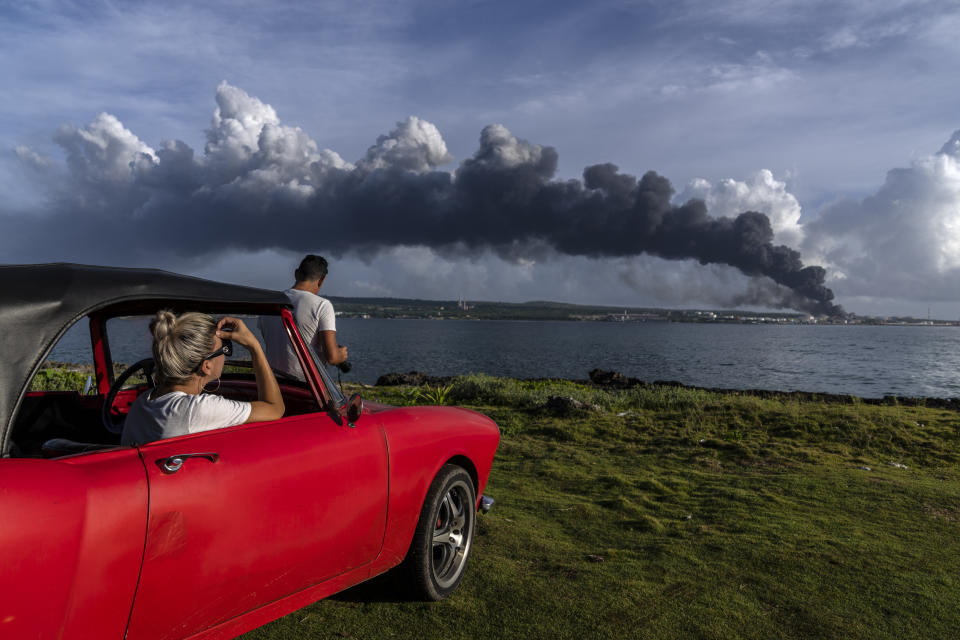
[{"x": 311, "y": 268}]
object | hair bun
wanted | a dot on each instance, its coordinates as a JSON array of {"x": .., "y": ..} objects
[{"x": 162, "y": 324}]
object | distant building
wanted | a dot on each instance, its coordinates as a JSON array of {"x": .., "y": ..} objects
[{"x": 634, "y": 317}]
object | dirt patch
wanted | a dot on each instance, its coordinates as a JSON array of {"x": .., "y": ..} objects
[{"x": 947, "y": 513}]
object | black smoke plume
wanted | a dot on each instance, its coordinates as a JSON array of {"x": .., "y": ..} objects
[
  {"x": 608, "y": 214},
  {"x": 261, "y": 184}
]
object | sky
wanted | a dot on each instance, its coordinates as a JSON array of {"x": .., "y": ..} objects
[{"x": 496, "y": 150}]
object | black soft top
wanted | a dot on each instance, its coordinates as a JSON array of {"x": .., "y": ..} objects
[{"x": 39, "y": 302}]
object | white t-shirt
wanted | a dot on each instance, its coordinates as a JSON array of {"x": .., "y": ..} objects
[
  {"x": 178, "y": 413},
  {"x": 313, "y": 315}
]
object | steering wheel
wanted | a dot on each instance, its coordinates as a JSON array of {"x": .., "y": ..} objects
[{"x": 146, "y": 365}]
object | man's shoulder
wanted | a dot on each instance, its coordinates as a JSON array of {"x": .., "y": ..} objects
[
  {"x": 298, "y": 297},
  {"x": 306, "y": 303}
]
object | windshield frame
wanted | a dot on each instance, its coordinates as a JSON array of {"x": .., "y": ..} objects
[{"x": 336, "y": 395}]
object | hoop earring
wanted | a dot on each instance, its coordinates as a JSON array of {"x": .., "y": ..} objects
[{"x": 205, "y": 390}]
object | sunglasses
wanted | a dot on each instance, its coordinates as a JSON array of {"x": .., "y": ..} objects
[{"x": 226, "y": 349}]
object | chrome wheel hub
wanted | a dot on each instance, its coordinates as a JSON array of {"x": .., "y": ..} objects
[{"x": 452, "y": 534}]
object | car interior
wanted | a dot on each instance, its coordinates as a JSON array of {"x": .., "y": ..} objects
[{"x": 54, "y": 423}]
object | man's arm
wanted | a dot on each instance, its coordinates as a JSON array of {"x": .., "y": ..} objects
[
  {"x": 334, "y": 353},
  {"x": 326, "y": 336}
]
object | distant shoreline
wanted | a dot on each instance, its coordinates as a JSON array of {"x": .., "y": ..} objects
[
  {"x": 414, "y": 309},
  {"x": 766, "y": 321}
]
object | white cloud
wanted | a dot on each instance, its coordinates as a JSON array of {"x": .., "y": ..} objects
[
  {"x": 904, "y": 240},
  {"x": 760, "y": 192},
  {"x": 415, "y": 145},
  {"x": 237, "y": 122},
  {"x": 758, "y": 74},
  {"x": 32, "y": 158},
  {"x": 103, "y": 151},
  {"x": 902, "y": 243},
  {"x": 843, "y": 38},
  {"x": 501, "y": 150}
]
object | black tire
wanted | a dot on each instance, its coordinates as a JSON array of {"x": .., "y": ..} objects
[{"x": 441, "y": 545}]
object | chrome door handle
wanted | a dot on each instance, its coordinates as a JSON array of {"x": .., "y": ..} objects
[{"x": 172, "y": 464}]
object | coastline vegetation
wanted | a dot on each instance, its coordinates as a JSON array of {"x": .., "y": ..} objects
[
  {"x": 669, "y": 512},
  {"x": 59, "y": 378}
]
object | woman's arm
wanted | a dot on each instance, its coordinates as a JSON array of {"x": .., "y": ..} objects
[{"x": 269, "y": 406}]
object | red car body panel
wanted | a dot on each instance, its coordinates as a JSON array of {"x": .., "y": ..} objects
[
  {"x": 287, "y": 505},
  {"x": 72, "y": 536}
]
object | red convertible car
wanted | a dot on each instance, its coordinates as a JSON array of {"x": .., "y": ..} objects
[{"x": 210, "y": 534}]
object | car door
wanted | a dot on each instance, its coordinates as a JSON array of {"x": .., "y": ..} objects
[
  {"x": 253, "y": 513},
  {"x": 71, "y": 533}
]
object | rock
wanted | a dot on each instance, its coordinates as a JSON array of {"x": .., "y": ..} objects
[
  {"x": 413, "y": 379},
  {"x": 566, "y": 404},
  {"x": 614, "y": 380},
  {"x": 608, "y": 378},
  {"x": 898, "y": 465}
]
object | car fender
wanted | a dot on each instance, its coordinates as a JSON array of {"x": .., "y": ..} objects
[{"x": 420, "y": 441}]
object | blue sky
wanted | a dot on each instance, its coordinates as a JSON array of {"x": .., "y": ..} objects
[{"x": 827, "y": 97}]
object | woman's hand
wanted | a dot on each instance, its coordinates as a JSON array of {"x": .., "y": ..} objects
[{"x": 234, "y": 329}]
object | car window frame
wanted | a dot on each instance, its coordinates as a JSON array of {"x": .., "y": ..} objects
[
  {"x": 329, "y": 396},
  {"x": 326, "y": 394}
]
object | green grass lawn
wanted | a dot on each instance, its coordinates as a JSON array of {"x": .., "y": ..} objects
[{"x": 675, "y": 513}]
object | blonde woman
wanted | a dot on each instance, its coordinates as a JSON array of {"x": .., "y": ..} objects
[{"x": 189, "y": 351}]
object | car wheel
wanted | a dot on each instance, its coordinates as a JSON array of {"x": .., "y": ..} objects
[{"x": 444, "y": 536}]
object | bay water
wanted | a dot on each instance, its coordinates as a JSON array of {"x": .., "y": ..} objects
[{"x": 866, "y": 361}]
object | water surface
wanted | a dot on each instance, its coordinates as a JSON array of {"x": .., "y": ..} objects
[{"x": 860, "y": 360}]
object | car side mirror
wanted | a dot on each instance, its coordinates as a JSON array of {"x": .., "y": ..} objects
[{"x": 354, "y": 409}]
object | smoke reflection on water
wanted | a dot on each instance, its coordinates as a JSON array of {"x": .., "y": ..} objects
[{"x": 857, "y": 360}]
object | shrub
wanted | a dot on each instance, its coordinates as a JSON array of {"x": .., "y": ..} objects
[{"x": 58, "y": 380}]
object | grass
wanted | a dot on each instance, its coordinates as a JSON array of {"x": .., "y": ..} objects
[
  {"x": 675, "y": 513},
  {"x": 666, "y": 512},
  {"x": 63, "y": 376},
  {"x": 58, "y": 379}
]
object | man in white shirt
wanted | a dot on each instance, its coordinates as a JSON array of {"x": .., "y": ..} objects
[{"x": 314, "y": 316}]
